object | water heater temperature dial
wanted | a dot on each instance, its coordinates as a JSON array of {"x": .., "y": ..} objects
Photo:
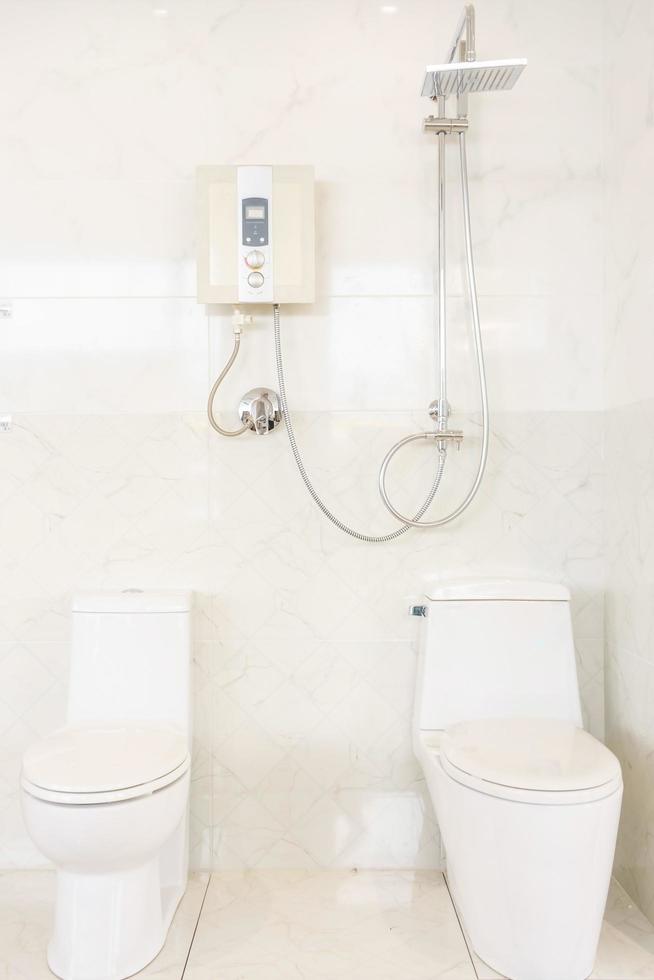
[{"x": 255, "y": 259}]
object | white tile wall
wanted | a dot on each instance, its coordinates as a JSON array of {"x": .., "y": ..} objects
[
  {"x": 304, "y": 656},
  {"x": 630, "y": 423}
]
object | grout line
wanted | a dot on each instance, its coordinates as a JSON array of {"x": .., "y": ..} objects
[
  {"x": 197, "y": 923},
  {"x": 324, "y": 297},
  {"x": 458, "y": 919}
]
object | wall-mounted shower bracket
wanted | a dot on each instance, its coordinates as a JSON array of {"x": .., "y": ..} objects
[
  {"x": 439, "y": 410},
  {"x": 260, "y": 410},
  {"x": 441, "y": 124}
]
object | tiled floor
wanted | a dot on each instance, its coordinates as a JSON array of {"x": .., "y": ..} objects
[{"x": 299, "y": 925}]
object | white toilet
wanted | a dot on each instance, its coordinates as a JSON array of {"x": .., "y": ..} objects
[
  {"x": 527, "y": 802},
  {"x": 106, "y": 797}
]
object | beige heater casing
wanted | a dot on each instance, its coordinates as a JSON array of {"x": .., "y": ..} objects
[{"x": 288, "y": 269}]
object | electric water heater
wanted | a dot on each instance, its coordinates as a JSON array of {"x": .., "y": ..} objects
[{"x": 256, "y": 234}]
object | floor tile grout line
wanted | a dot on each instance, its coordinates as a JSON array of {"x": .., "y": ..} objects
[
  {"x": 197, "y": 923},
  {"x": 458, "y": 919}
]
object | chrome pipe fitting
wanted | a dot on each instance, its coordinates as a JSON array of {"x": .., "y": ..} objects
[
  {"x": 445, "y": 125},
  {"x": 464, "y": 35},
  {"x": 260, "y": 410}
]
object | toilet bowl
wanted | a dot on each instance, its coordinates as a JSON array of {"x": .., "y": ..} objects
[
  {"x": 105, "y": 798},
  {"x": 527, "y": 802}
]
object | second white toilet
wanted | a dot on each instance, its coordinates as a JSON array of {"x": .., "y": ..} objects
[
  {"x": 106, "y": 797},
  {"x": 527, "y": 802}
]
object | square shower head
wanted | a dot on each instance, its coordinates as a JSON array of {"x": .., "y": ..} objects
[{"x": 464, "y": 77}]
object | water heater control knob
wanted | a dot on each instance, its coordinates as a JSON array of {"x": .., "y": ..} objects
[
  {"x": 255, "y": 259},
  {"x": 255, "y": 279}
]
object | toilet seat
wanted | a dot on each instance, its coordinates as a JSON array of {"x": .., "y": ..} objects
[
  {"x": 532, "y": 760},
  {"x": 95, "y": 763}
]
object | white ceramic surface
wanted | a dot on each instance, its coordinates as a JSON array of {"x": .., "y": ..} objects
[
  {"x": 626, "y": 946},
  {"x": 495, "y": 657},
  {"x": 121, "y": 856},
  {"x": 26, "y": 902},
  {"x": 528, "y": 805},
  {"x": 124, "y": 863}
]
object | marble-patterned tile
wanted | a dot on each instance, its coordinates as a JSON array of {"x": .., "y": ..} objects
[
  {"x": 629, "y": 638},
  {"x": 169, "y": 964},
  {"x": 376, "y": 925},
  {"x": 305, "y": 675},
  {"x": 393, "y": 925},
  {"x": 308, "y": 685},
  {"x": 629, "y": 514},
  {"x": 107, "y": 355}
]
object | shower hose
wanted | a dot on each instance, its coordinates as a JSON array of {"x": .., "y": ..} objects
[
  {"x": 216, "y": 385},
  {"x": 415, "y": 521},
  {"x": 370, "y": 538}
]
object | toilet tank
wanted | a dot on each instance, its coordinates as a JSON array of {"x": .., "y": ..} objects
[
  {"x": 496, "y": 649},
  {"x": 131, "y": 658}
]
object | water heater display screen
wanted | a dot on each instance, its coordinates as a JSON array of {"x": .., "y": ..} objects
[{"x": 255, "y": 221}]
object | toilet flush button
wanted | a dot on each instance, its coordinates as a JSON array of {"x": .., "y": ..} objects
[{"x": 255, "y": 279}]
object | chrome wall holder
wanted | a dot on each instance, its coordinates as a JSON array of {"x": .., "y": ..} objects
[
  {"x": 442, "y": 124},
  {"x": 260, "y": 410}
]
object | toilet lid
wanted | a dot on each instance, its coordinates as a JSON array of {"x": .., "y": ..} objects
[
  {"x": 96, "y": 758},
  {"x": 530, "y": 754}
]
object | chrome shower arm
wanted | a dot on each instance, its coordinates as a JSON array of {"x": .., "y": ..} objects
[{"x": 466, "y": 26}]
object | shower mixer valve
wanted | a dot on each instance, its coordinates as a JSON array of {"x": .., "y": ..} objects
[{"x": 260, "y": 410}]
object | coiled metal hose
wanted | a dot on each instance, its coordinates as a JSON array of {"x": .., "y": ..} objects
[{"x": 369, "y": 538}]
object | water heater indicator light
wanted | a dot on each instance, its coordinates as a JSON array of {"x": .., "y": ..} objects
[{"x": 255, "y": 259}]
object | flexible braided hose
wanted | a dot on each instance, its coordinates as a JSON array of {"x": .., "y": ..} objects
[
  {"x": 369, "y": 538},
  {"x": 217, "y": 383}
]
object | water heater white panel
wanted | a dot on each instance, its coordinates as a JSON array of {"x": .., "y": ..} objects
[
  {"x": 256, "y": 234},
  {"x": 221, "y": 234}
]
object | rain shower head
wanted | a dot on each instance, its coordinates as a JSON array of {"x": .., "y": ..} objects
[{"x": 464, "y": 77}]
